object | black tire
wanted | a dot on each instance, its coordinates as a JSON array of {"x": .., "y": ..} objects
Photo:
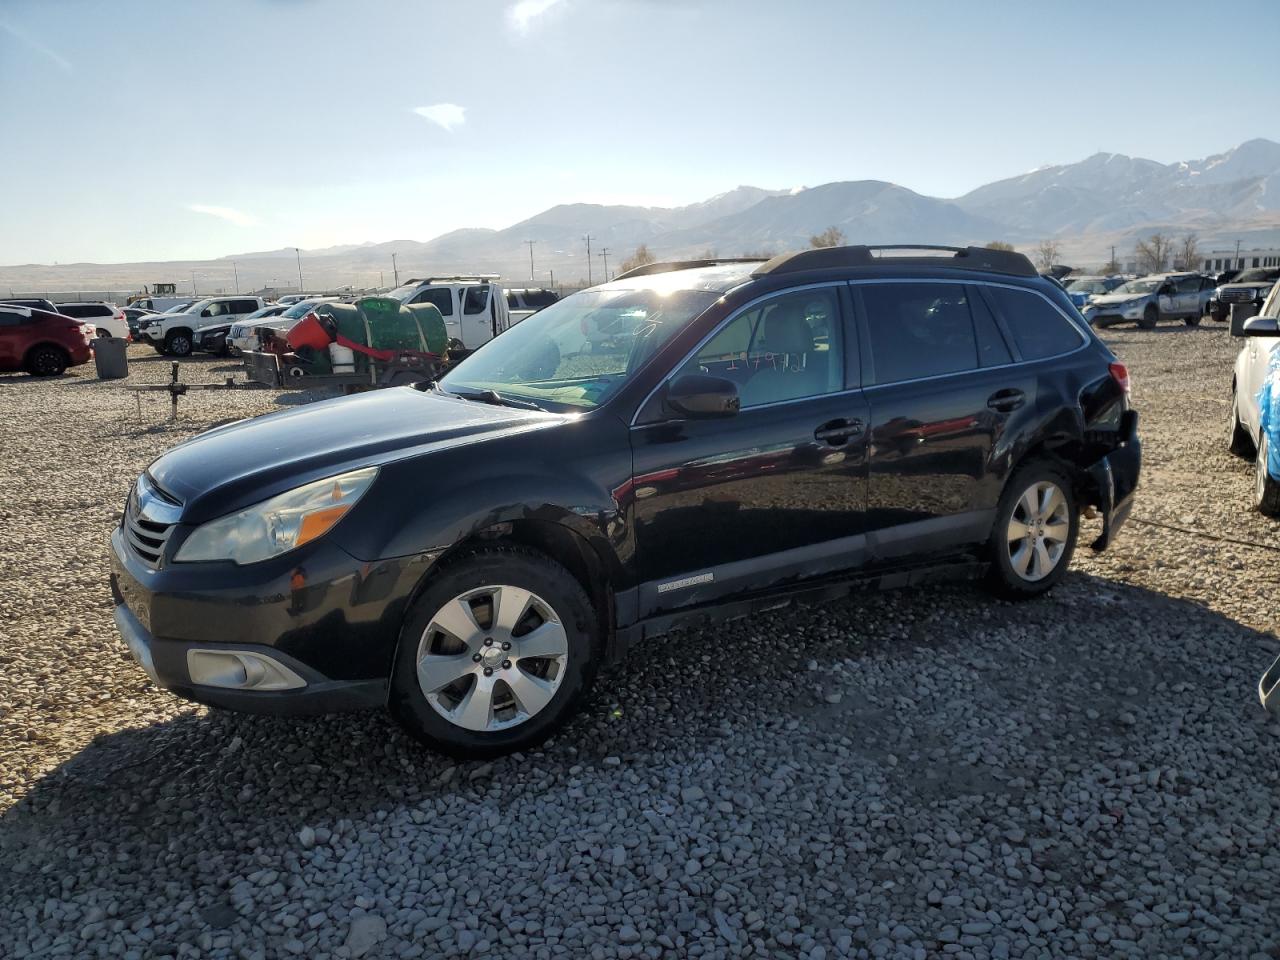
[
  {"x": 1266, "y": 487},
  {"x": 47, "y": 361},
  {"x": 1003, "y": 579},
  {"x": 178, "y": 344},
  {"x": 101, "y": 334},
  {"x": 1218, "y": 314},
  {"x": 1150, "y": 317},
  {"x": 1192, "y": 321},
  {"x": 492, "y": 566},
  {"x": 1239, "y": 443}
]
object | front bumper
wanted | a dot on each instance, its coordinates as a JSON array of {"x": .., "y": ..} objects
[
  {"x": 1115, "y": 478},
  {"x": 316, "y": 616}
]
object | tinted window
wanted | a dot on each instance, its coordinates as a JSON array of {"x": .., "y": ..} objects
[
  {"x": 537, "y": 299},
  {"x": 244, "y": 306},
  {"x": 442, "y": 297},
  {"x": 1187, "y": 285},
  {"x": 918, "y": 330},
  {"x": 992, "y": 350},
  {"x": 8, "y": 319},
  {"x": 512, "y": 302},
  {"x": 786, "y": 348},
  {"x": 475, "y": 299},
  {"x": 1038, "y": 328},
  {"x": 85, "y": 310}
]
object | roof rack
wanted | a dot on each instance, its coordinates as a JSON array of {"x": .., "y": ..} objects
[
  {"x": 454, "y": 278},
  {"x": 963, "y": 258},
  {"x": 667, "y": 266}
]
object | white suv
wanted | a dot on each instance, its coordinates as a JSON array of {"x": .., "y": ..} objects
[
  {"x": 107, "y": 319},
  {"x": 171, "y": 333}
]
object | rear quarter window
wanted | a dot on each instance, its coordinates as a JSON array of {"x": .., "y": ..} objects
[{"x": 1038, "y": 328}]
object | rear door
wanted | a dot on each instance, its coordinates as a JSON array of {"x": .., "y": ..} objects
[
  {"x": 14, "y": 327},
  {"x": 478, "y": 318},
  {"x": 777, "y": 491},
  {"x": 1187, "y": 297},
  {"x": 943, "y": 388}
]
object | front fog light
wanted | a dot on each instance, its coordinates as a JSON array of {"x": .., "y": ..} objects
[{"x": 240, "y": 670}]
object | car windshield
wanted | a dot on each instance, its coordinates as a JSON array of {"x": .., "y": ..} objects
[
  {"x": 298, "y": 310},
  {"x": 579, "y": 351},
  {"x": 1145, "y": 285},
  {"x": 1257, "y": 276},
  {"x": 1087, "y": 285}
]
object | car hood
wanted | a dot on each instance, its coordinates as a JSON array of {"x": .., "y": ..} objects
[
  {"x": 1105, "y": 299},
  {"x": 234, "y": 466},
  {"x": 1248, "y": 285}
]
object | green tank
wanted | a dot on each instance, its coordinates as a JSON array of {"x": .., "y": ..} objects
[{"x": 386, "y": 324}]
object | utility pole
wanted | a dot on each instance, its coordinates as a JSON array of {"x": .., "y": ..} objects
[
  {"x": 299, "y": 253},
  {"x": 380, "y": 283},
  {"x": 395, "y": 271},
  {"x": 588, "y": 239},
  {"x": 604, "y": 254},
  {"x": 193, "y": 283},
  {"x": 236, "y": 270},
  {"x": 531, "y": 243},
  {"x": 1237, "y": 254}
]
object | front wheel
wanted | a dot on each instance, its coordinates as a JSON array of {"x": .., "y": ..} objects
[
  {"x": 177, "y": 345},
  {"x": 1034, "y": 534},
  {"x": 1266, "y": 487},
  {"x": 1150, "y": 317},
  {"x": 1193, "y": 321},
  {"x": 495, "y": 655}
]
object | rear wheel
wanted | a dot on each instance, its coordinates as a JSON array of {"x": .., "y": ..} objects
[
  {"x": 1034, "y": 534},
  {"x": 1266, "y": 487},
  {"x": 1239, "y": 442},
  {"x": 1192, "y": 321},
  {"x": 101, "y": 333},
  {"x": 47, "y": 361},
  {"x": 1150, "y": 317},
  {"x": 495, "y": 655}
]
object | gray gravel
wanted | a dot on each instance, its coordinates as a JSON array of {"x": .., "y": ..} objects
[{"x": 913, "y": 774}]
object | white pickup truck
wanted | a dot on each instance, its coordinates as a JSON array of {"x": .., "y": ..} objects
[
  {"x": 474, "y": 308},
  {"x": 174, "y": 333}
]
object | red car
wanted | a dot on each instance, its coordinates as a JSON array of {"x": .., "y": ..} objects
[{"x": 41, "y": 342}]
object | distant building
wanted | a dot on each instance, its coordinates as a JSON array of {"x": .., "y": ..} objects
[{"x": 1215, "y": 261}]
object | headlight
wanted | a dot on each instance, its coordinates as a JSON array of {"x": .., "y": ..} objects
[{"x": 280, "y": 524}]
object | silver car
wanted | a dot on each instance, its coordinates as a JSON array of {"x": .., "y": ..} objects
[
  {"x": 1148, "y": 300},
  {"x": 1253, "y": 422}
]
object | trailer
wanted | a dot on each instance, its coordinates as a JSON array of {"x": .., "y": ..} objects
[{"x": 370, "y": 343}]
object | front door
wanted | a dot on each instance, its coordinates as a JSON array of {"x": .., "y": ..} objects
[
  {"x": 477, "y": 319},
  {"x": 942, "y": 385},
  {"x": 776, "y": 492}
]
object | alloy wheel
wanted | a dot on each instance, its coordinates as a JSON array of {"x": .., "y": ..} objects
[
  {"x": 1038, "y": 529},
  {"x": 492, "y": 658}
]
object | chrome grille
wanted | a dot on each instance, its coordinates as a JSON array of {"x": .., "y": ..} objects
[
  {"x": 1236, "y": 296},
  {"x": 149, "y": 516}
]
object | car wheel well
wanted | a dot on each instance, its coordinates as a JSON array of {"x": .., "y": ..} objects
[
  {"x": 1068, "y": 456},
  {"x": 556, "y": 541},
  {"x": 45, "y": 345}
]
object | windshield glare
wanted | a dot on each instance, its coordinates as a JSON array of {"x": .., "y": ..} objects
[
  {"x": 1149, "y": 285},
  {"x": 299, "y": 310},
  {"x": 1087, "y": 286},
  {"x": 579, "y": 351},
  {"x": 1256, "y": 276}
]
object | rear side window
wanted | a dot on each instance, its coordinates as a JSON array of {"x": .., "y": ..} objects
[
  {"x": 476, "y": 299},
  {"x": 80, "y": 310},
  {"x": 918, "y": 330},
  {"x": 441, "y": 297},
  {"x": 1038, "y": 328},
  {"x": 12, "y": 319},
  {"x": 244, "y": 306}
]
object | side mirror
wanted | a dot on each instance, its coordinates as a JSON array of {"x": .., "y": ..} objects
[
  {"x": 1261, "y": 327},
  {"x": 1166, "y": 290},
  {"x": 699, "y": 397}
]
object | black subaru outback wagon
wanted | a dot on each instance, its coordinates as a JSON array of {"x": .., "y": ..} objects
[{"x": 691, "y": 440}]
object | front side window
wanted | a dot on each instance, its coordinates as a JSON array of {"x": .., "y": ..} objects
[
  {"x": 1187, "y": 285},
  {"x": 785, "y": 348},
  {"x": 578, "y": 352},
  {"x": 919, "y": 330},
  {"x": 441, "y": 297},
  {"x": 1038, "y": 328}
]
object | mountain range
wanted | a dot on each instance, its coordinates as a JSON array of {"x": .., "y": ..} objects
[{"x": 1087, "y": 207}]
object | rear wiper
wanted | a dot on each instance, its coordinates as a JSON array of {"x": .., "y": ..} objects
[{"x": 498, "y": 400}]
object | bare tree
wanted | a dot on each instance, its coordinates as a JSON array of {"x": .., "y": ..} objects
[
  {"x": 641, "y": 257},
  {"x": 1153, "y": 253},
  {"x": 830, "y": 237},
  {"x": 1189, "y": 252},
  {"x": 1047, "y": 252},
  {"x": 999, "y": 245}
]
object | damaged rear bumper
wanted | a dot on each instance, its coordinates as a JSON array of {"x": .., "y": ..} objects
[{"x": 1115, "y": 478}]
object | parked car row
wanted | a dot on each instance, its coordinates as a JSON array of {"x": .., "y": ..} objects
[{"x": 40, "y": 340}]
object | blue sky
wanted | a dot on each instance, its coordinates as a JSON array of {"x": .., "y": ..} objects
[{"x": 172, "y": 130}]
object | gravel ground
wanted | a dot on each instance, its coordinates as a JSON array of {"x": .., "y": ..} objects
[{"x": 910, "y": 774}]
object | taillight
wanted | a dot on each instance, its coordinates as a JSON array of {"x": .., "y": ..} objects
[{"x": 1120, "y": 374}]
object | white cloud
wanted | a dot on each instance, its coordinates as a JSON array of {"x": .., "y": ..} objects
[
  {"x": 231, "y": 215},
  {"x": 444, "y": 115},
  {"x": 521, "y": 15},
  {"x": 36, "y": 45}
]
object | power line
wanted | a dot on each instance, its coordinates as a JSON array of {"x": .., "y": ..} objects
[{"x": 604, "y": 253}]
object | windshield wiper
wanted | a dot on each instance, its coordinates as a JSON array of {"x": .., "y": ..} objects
[{"x": 498, "y": 400}]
